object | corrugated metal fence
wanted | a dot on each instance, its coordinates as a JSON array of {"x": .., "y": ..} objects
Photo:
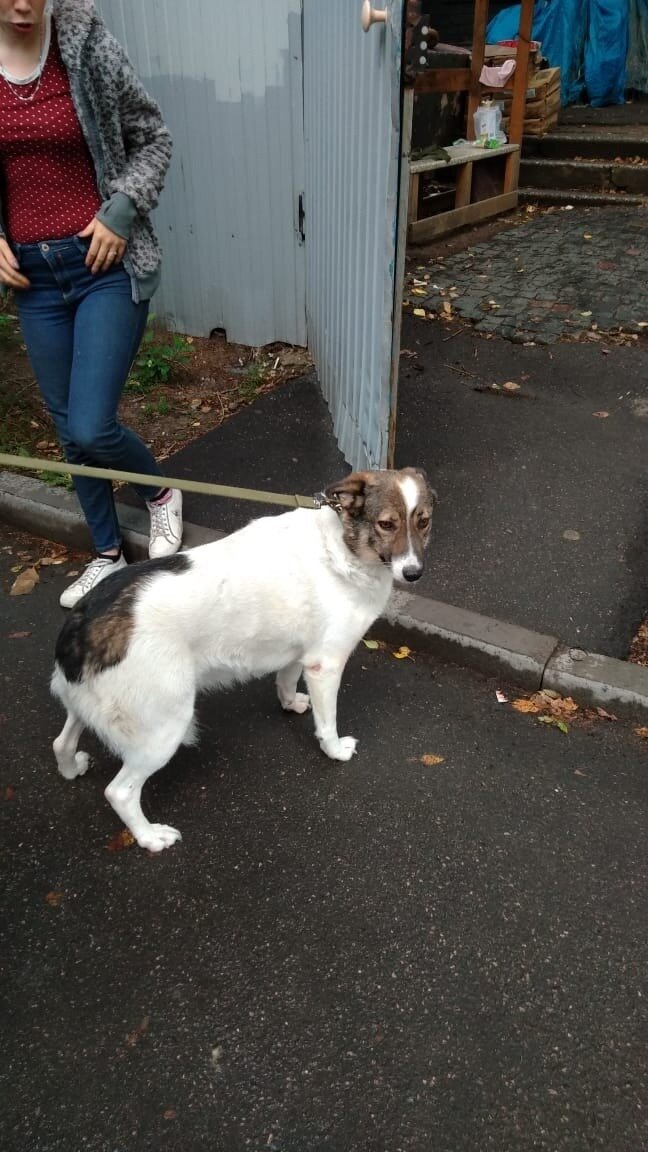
[
  {"x": 352, "y": 118},
  {"x": 228, "y": 75}
]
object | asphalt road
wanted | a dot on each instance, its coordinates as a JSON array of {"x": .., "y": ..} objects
[{"x": 373, "y": 957}]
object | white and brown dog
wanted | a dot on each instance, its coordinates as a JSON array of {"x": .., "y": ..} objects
[{"x": 291, "y": 594}]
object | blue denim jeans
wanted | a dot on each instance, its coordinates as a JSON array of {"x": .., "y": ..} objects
[{"x": 82, "y": 333}]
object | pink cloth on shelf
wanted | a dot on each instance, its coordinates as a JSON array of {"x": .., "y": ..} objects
[{"x": 497, "y": 75}]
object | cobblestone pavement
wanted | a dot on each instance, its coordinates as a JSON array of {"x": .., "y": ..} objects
[{"x": 560, "y": 274}]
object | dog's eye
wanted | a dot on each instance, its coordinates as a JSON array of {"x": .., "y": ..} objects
[
  {"x": 387, "y": 525},
  {"x": 423, "y": 522}
]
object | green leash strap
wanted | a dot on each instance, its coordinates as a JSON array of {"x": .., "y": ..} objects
[{"x": 34, "y": 465}]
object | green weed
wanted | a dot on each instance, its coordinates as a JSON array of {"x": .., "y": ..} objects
[{"x": 160, "y": 354}]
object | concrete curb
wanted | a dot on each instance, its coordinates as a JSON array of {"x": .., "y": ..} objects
[{"x": 493, "y": 647}]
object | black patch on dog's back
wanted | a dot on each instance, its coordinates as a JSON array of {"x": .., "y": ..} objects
[{"x": 96, "y": 633}]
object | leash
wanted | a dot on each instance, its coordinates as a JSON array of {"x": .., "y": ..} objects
[{"x": 33, "y": 464}]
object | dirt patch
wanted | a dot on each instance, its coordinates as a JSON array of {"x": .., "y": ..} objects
[
  {"x": 639, "y": 647},
  {"x": 179, "y": 389}
]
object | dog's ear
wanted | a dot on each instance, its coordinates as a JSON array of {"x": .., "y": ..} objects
[{"x": 348, "y": 494}]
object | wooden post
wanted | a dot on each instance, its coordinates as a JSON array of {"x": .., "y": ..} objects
[
  {"x": 464, "y": 186},
  {"x": 477, "y": 61},
  {"x": 518, "y": 101}
]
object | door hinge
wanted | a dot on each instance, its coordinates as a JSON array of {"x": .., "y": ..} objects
[{"x": 301, "y": 216}]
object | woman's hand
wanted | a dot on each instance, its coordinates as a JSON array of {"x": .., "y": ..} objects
[
  {"x": 106, "y": 247},
  {"x": 9, "y": 266}
]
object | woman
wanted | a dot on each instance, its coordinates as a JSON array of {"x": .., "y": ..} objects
[{"x": 83, "y": 156}]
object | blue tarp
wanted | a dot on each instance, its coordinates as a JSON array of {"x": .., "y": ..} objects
[
  {"x": 586, "y": 39},
  {"x": 606, "y": 49},
  {"x": 637, "y": 62}
]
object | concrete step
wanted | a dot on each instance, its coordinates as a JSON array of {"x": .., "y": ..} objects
[
  {"x": 580, "y": 145},
  {"x": 584, "y": 175},
  {"x": 531, "y": 195}
]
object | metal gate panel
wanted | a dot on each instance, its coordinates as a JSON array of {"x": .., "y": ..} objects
[
  {"x": 352, "y": 129},
  {"x": 229, "y": 79}
]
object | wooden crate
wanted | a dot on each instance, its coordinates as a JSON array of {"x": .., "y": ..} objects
[{"x": 542, "y": 103}]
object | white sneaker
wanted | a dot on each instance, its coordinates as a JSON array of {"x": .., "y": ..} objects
[
  {"x": 166, "y": 526},
  {"x": 96, "y": 571}
]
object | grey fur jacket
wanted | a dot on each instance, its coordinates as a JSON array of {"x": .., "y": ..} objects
[{"x": 123, "y": 127}]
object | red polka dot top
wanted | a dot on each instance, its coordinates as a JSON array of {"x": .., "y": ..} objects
[{"x": 49, "y": 186}]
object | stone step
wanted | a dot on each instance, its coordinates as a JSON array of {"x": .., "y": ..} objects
[
  {"x": 530, "y": 195},
  {"x": 579, "y": 145},
  {"x": 584, "y": 175}
]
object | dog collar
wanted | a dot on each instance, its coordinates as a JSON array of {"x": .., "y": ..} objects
[{"x": 321, "y": 500}]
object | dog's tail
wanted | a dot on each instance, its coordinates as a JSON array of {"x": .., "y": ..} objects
[{"x": 59, "y": 685}]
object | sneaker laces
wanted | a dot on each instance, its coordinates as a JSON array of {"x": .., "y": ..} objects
[
  {"x": 89, "y": 575},
  {"x": 160, "y": 525}
]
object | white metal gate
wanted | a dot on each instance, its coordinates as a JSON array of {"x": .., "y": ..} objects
[
  {"x": 276, "y": 107},
  {"x": 352, "y": 128},
  {"x": 228, "y": 75}
]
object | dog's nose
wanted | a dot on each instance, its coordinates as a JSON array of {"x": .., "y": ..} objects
[{"x": 411, "y": 573}]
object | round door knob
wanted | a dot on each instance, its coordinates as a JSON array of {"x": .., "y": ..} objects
[{"x": 372, "y": 16}]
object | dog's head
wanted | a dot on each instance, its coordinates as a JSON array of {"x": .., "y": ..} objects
[{"x": 386, "y": 517}]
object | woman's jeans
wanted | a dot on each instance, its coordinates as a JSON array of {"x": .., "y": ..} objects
[{"x": 82, "y": 333}]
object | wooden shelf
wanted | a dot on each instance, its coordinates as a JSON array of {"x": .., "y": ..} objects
[
  {"x": 468, "y": 208},
  {"x": 461, "y": 154}
]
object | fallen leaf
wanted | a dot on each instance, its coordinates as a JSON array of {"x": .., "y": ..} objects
[
  {"x": 587, "y": 235},
  {"x": 431, "y": 761},
  {"x": 578, "y": 772},
  {"x": 419, "y": 291},
  {"x": 555, "y": 721},
  {"x": 373, "y": 644},
  {"x": 606, "y": 715},
  {"x": 137, "y": 1033},
  {"x": 524, "y": 706},
  {"x": 571, "y": 534},
  {"x": 24, "y": 583},
  {"x": 447, "y": 308},
  {"x": 642, "y": 731},
  {"x": 419, "y": 312},
  {"x": 586, "y": 313},
  {"x": 601, "y": 415},
  {"x": 511, "y": 386},
  {"x": 9, "y": 792},
  {"x": 123, "y": 839},
  {"x": 18, "y": 635},
  {"x": 54, "y": 899},
  {"x": 47, "y": 561},
  {"x": 403, "y": 653}
]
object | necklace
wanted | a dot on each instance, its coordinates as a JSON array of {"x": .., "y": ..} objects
[{"x": 37, "y": 74}]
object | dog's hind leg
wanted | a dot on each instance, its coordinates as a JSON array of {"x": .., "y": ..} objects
[
  {"x": 70, "y": 762},
  {"x": 125, "y": 790},
  {"x": 287, "y": 680}
]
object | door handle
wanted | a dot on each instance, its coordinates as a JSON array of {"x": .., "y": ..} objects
[{"x": 371, "y": 16}]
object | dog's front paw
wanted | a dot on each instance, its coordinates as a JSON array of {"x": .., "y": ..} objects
[
  {"x": 157, "y": 837},
  {"x": 341, "y": 749},
  {"x": 300, "y": 703}
]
